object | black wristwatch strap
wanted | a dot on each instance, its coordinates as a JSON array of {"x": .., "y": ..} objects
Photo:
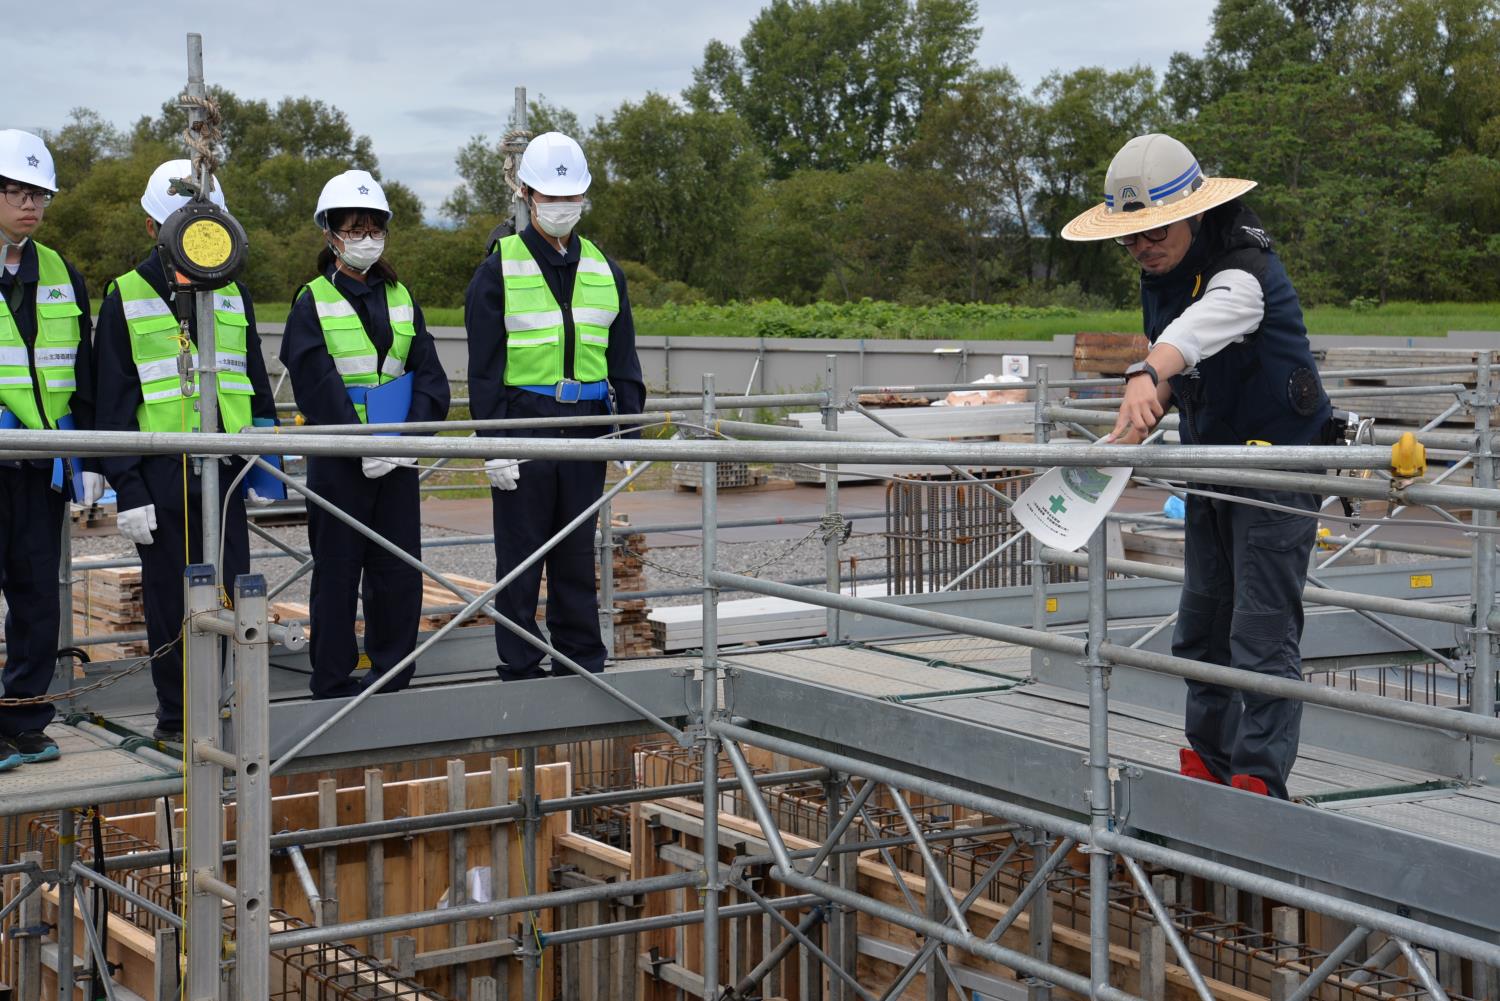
[{"x": 1143, "y": 367}]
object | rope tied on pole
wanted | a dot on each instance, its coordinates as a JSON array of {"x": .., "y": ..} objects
[
  {"x": 204, "y": 137},
  {"x": 513, "y": 143}
]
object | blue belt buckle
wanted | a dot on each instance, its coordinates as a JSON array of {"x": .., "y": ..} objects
[{"x": 568, "y": 391}]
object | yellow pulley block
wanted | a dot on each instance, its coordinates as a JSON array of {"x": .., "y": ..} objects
[{"x": 1408, "y": 457}]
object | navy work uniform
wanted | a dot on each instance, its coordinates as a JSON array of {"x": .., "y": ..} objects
[
  {"x": 585, "y": 287},
  {"x": 1246, "y": 566},
  {"x": 346, "y": 563},
  {"x": 128, "y": 404},
  {"x": 31, "y": 509}
]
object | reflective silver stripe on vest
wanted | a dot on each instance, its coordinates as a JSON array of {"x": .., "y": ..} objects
[
  {"x": 393, "y": 367},
  {"x": 15, "y": 380},
  {"x": 229, "y": 304},
  {"x": 596, "y": 317},
  {"x": 534, "y": 339},
  {"x": 402, "y": 314},
  {"x": 232, "y": 363},
  {"x": 594, "y": 267},
  {"x": 161, "y": 368},
  {"x": 54, "y": 295},
  {"x": 67, "y": 382},
  {"x": 164, "y": 394},
  {"x": 14, "y": 356},
  {"x": 232, "y": 381},
  {"x": 55, "y": 356},
  {"x": 333, "y": 310},
  {"x": 139, "y": 309},
  {"x": 601, "y": 340},
  {"x": 354, "y": 364},
  {"x": 533, "y": 321},
  {"x": 517, "y": 269}
]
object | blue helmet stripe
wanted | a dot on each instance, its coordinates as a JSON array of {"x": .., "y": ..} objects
[{"x": 1176, "y": 184}]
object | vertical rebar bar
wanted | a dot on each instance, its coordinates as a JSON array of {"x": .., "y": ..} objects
[
  {"x": 831, "y": 539},
  {"x": 709, "y": 708},
  {"x": 531, "y": 955},
  {"x": 1482, "y": 689},
  {"x": 1099, "y": 791}
]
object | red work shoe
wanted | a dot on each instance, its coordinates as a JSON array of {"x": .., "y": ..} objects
[
  {"x": 1250, "y": 783},
  {"x": 1193, "y": 767}
]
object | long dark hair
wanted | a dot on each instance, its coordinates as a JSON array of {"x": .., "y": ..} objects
[{"x": 338, "y": 219}]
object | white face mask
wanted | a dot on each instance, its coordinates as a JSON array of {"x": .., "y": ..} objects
[
  {"x": 558, "y": 218},
  {"x": 361, "y": 254}
]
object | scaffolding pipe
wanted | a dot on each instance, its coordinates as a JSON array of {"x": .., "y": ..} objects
[
  {"x": 1098, "y": 415},
  {"x": 1391, "y": 924},
  {"x": 1101, "y": 811},
  {"x": 1213, "y": 674},
  {"x": 309, "y": 885},
  {"x": 709, "y": 694},
  {"x": 614, "y": 929},
  {"x": 1482, "y": 689},
  {"x": 528, "y": 903}
]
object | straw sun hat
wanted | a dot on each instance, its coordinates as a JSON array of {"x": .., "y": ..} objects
[{"x": 1153, "y": 181}]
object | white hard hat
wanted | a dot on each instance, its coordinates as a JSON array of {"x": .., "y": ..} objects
[
  {"x": 1153, "y": 181},
  {"x": 159, "y": 201},
  {"x": 24, "y": 158},
  {"x": 353, "y": 189},
  {"x": 554, "y": 165}
]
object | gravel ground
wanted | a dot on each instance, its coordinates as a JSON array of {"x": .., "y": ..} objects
[{"x": 667, "y": 567}]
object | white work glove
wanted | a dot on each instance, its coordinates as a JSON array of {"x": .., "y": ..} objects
[
  {"x": 375, "y": 467},
  {"x": 256, "y": 500},
  {"x": 93, "y": 488},
  {"x": 503, "y": 473},
  {"x": 137, "y": 524}
]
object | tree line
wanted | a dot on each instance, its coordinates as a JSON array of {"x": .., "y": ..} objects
[{"x": 852, "y": 149}]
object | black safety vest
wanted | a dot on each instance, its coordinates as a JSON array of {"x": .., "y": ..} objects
[{"x": 1264, "y": 388}]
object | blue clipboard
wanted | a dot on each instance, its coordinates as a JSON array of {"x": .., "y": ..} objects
[
  {"x": 385, "y": 404},
  {"x": 65, "y": 423},
  {"x": 257, "y": 479}
]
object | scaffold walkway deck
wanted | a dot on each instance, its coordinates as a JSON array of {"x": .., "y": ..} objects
[{"x": 96, "y": 767}]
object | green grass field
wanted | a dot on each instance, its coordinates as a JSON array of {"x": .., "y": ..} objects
[{"x": 1396, "y": 319}]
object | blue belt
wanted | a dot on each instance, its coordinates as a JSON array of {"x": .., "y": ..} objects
[{"x": 572, "y": 391}]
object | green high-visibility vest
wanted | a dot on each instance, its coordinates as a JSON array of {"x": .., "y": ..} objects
[
  {"x": 55, "y": 350},
  {"x": 534, "y": 321},
  {"x": 155, "y": 346},
  {"x": 349, "y": 344}
]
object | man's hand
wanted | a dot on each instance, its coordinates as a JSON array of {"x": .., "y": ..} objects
[{"x": 1139, "y": 411}]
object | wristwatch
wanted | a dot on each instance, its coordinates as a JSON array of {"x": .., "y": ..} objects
[{"x": 1143, "y": 367}]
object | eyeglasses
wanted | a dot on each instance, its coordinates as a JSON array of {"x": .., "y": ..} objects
[
  {"x": 20, "y": 196},
  {"x": 361, "y": 234},
  {"x": 1156, "y": 235}
]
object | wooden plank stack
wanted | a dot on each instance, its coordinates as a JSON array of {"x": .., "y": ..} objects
[
  {"x": 1405, "y": 410},
  {"x": 108, "y": 601},
  {"x": 632, "y": 631},
  {"x": 1099, "y": 355}
]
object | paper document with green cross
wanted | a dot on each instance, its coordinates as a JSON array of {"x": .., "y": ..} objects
[{"x": 1064, "y": 506}]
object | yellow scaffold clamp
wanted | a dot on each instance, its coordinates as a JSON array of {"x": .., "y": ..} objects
[{"x": 1408, "y": 458}]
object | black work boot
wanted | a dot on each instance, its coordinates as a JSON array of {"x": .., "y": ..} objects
[{"x": 35, "y": 746}]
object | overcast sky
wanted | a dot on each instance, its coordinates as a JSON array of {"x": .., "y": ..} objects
[{"x": 421, "y": 78}]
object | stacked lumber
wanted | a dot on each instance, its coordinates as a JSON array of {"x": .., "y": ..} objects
[
  {"x": 1101, "y": 355},
  {"x": 633, "y": 636},
  {"x": 1406, "y": 410},
  {"x": 108, "y": 601},
  {"x": 434, "y": 595}
]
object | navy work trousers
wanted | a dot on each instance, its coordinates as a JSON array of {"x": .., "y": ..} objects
[
  {"x": 548, "y": 495},
  {"x": 166, "y": 558},
  {"x": 31, "y": 515},
  {"x": 1242, "y": 607},
  {"x": 348, "y": 566}
]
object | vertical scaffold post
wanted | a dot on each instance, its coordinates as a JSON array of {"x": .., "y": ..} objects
[
  {"x": 205, "y": 779},
  {"x": 67, "y": 841},
  {"x": 252, "y": 730},
  {"x": 710, "y": 708},
  {"x": 604, "y": 546},
  {"x": 63, "y": 669},
  {"x": 831, "y": 493},
  {"x": 531, "y": 953},
  {"x": 522, "y": 217},
  {"x": 1041, "y": 431},
  {"x": 203, "y": 309},
  {"x": 1482, "y": 689},
  {"x": 1099, "y": 785}
]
